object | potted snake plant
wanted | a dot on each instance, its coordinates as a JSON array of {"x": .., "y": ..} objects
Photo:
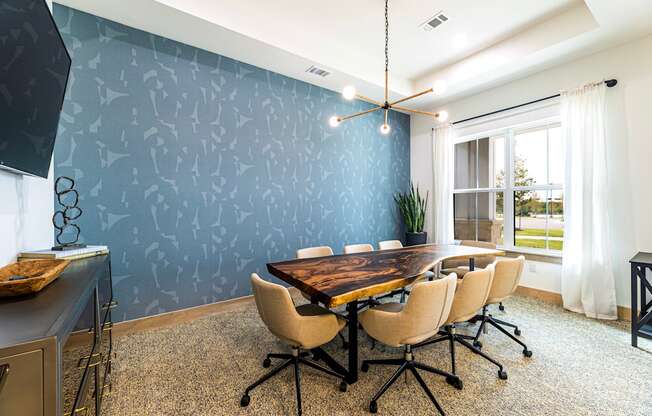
[{"x": 413, "y": 210}]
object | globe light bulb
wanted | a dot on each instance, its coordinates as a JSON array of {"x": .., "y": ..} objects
[
  {"x": 438, "y": 87},
  {"x": 334, "y": 121},
  {"x": 442, "y": 116},
  {"x": 348, "y": 92},
  {"x": 385, "y": 129}
]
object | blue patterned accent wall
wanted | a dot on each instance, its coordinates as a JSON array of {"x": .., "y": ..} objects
[{"x": 197, "y": 169}]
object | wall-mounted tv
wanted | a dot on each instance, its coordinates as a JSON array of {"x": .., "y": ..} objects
[{"x": 34, "y": 67}]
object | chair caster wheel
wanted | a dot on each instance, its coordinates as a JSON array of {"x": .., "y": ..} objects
[
  {"x": 502, "y": 374},
  {"x": 267, "y": 362},
  {"x": 477, "y": 344},
  {"x": 527, "y": 353},
  {"x": 244, "y": 402},
  {"x": 517, "y": 332},
  {"x": 343, "y": 386},
  {"x": 455, "y": 382},
  {"x": 373, "y": 407},
  {"x": 501, "y": 307},
  {"x": 365, "y": 368}
]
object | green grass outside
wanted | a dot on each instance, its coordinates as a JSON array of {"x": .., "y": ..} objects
[
  {"x": 539, "y": 232},
  {"x": 552, "y": 244}
]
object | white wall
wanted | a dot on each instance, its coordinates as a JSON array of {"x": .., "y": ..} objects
[
  {"x": 629, "y": 145},
  {"x": 25, "y": 212}
]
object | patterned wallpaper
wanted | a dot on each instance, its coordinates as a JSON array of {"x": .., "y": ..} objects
[{"x": 197, "y": 169}]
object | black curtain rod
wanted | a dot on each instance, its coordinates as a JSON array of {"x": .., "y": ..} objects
[{"x": 610, "y": 83}]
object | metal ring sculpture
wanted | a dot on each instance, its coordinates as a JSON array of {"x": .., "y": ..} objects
[{"x": 63, "y": 219}]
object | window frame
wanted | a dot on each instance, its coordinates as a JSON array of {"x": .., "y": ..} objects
[{"x": 508, "y": 134}]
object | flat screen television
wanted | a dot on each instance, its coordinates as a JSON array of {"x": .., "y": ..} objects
[{"x": 34, "y": 67}]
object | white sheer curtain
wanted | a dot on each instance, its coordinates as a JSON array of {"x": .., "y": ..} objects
[
  {"x": 442, "y": 195},
  {"x": 588, "y": 284}
]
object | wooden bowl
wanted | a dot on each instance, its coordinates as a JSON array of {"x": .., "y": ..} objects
[{"x": 38, "y": 273}]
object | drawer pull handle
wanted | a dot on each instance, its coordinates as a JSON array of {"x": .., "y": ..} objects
[
  {"x": 111, "y": 305},
  {"x": 90, "y": 364},
  {"x": 96, "y": 363},
  {"x": 78, "y": 410},
  {"x": 82, "y": 359},
  {"x": 4, "y": 374}
]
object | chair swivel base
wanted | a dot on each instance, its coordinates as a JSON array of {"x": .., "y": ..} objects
[
  {"x": 404, "y": 364},
  {"x": 487, "y": 318},
  {"x": 297, "y": 357},
  {"x": 450, "y": 335}
]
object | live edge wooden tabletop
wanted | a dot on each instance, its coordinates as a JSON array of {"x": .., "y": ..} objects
[{"x": 336, "y": 280}]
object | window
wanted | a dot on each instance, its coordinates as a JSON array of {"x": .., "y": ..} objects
[{"x": 515, "y": 174}]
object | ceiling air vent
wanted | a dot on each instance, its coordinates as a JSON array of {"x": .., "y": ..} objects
[
  {"x": 318, "y": 71},
  {"x": 435, "y": 21}
]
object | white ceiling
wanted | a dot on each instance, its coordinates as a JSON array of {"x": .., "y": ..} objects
[
  {"x": 483, "y": 44},
  {"x": 349, "y": 35}
]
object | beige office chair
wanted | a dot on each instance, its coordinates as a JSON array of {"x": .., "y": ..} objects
[
  {"x": 461, "y": 267},
  {"x": 390, "y": 245},
  {"x": 471, "y": 294},
  {"x": 399, "y": 325},
  {"x": 506, "y": 279},
  {"x": 311, "y": 252},
  {"x": 358, "y": 248},
  {"x": 305, "y": 327}
]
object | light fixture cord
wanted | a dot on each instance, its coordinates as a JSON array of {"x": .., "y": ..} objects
[{"x": 386, "y": 36}]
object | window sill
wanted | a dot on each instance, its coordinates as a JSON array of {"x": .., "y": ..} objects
[{"x": 533, "y": 255}]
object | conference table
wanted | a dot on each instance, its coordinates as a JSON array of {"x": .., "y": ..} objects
[{"x": 346, "y": 279}]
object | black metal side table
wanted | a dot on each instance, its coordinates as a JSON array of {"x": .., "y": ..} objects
[{"x": 640, "y": 285}]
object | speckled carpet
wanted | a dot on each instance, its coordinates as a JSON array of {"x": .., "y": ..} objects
[{"x": 580, "y": 367}]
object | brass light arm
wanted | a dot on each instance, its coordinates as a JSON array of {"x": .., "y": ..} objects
[
  {"x": 386, "y": 86},
  {"x": 369, "y": 100},
  {"x": 385, "y": 105},
  {"x": 428, "y": 91},
  {"x": 409, "y": 110},
  {"x": 361, "y": 113}
]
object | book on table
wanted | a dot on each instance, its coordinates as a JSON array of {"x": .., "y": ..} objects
[{"x": 77, "y": 253}]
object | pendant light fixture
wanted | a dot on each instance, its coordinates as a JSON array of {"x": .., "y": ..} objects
[{"x": 349, "y": 93}]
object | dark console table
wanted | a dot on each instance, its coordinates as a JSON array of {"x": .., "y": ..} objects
[
  {"x": 641, "y": 322},
  {"x": 55, "y": 346}
]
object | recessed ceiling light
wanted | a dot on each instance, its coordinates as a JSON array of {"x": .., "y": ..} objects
[
  {"x": 318, "y": 71},
  {"x": 434, "y": 21}
]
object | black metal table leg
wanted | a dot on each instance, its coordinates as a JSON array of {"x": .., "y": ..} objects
[
  {"x": 352, "y": 309},
  {"x": 641, "y": 305},
  {"x": 642, "y": 278},
  {"x": 471, "y": 264},
  {"x": 634, "y": 304}
]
